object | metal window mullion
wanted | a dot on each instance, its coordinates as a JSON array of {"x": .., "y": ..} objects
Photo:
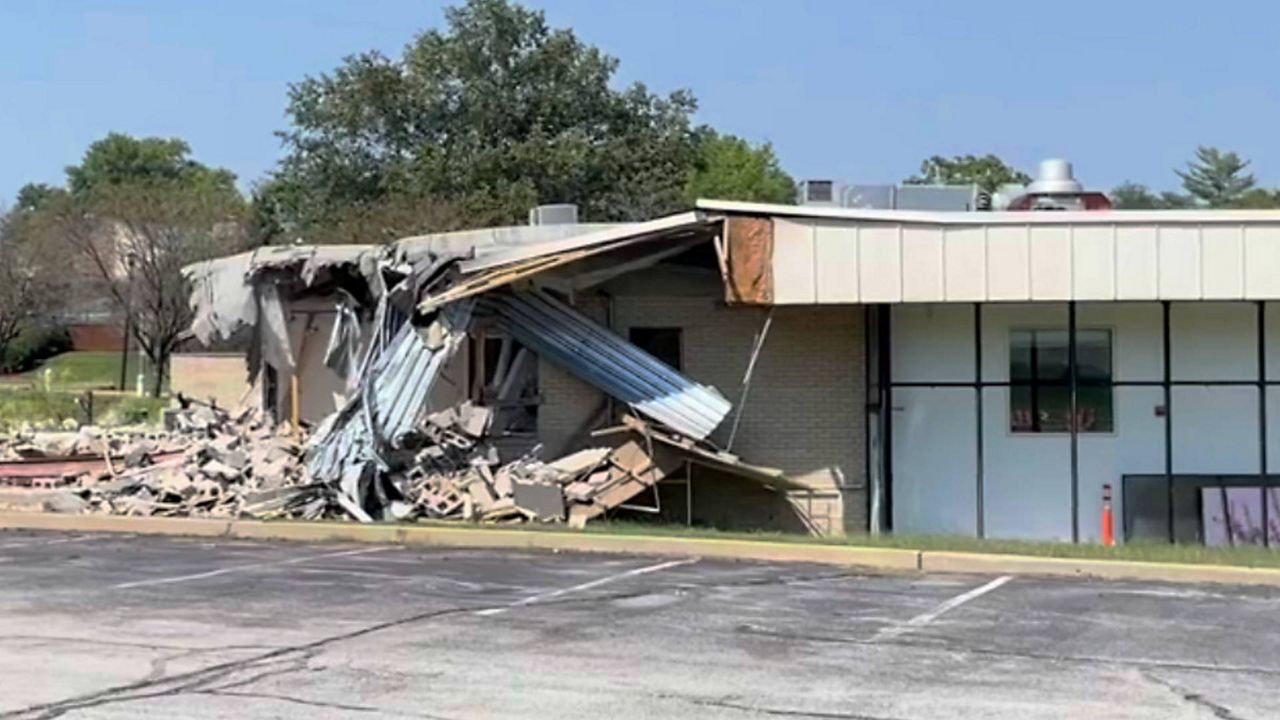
[
  {"x": 979, "y": 462},
  {"x": 1262, "y": 420},
  {"x": 1071, "y": 424},
  {"x": 1167, "y": 372},
  {"x": 886, "y": 417}
]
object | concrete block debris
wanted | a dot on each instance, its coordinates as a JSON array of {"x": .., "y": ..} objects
[{"x": 223, "y": 465}]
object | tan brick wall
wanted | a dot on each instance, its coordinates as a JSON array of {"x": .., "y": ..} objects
[
  {"x": 805, "y": 409},
  {"x": 223, "y": 377}
]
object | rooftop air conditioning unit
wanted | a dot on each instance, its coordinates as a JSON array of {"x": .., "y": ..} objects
[
  {"x": 820, "y": 192},
  {"x": 562, "y": 214}
]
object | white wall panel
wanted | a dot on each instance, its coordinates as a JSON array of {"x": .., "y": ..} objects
[
  {"x": 836, "y": 266},
  {"x": 1137, "y": 263},
  {"x": 1135, "y": 447},
  {"x": 934, "y": 461},
  {"x": 1222, "y": 262},
  {"x": 1262, "y": 261},
  {"x": 964, "y": 258},
  {"x": 1008, "y": 263},
  {"x": 1215, "y": 429},
  {"x": 879, "y": 256},
  {"x": 794, "y": 263},
  {"x": 1137, "y": 345},
  {"x": 1093, "y": 270},
  {"x": 932, "y": 342},
  {"x": 1028, "y": 477},
  {"x": 1213, "y": 341},
  {"x": 922, "y": 263},
  {"x": 1050, "y": 263},
  {"x": 1179, "y": 248}
]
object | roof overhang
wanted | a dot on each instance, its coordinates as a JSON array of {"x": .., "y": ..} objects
[{"x": 799, "y": 255}]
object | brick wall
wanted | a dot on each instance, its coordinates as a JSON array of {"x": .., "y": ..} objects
[
  {"x": 805, "y": 409},
  {"x": 205, "y": 376}
]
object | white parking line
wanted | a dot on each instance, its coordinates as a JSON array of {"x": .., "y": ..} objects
[
  {"x": 42, "y": 543},
  {"x": 242, "y": 568},
  {"x": 923, "y": 619},
  {"x": 532, "y": 599}
]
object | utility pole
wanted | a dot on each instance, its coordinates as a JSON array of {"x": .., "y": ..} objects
[{"x": 128, "y": 323}]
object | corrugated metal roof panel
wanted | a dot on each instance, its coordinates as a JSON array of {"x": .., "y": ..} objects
[{"x": 562, "y": 335}]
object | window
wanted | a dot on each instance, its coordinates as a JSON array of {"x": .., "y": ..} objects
[
  {"x": 662, "y": 343},
  {"x": 1040, "y": 378}
]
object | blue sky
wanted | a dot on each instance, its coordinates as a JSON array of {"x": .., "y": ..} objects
[{"x": 847, "y": 89}]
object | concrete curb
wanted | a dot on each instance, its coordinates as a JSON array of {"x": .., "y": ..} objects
[
  {"x": 892, "y": 559},
  {"x": 956, "y": 562},
  {"x": 466, "y": 537}
]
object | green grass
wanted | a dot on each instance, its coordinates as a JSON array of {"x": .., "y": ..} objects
[
  {"x": 23, "y": 406},
  {"x": 1145, "y": 552},
  {"x": 81, "y": 370}
]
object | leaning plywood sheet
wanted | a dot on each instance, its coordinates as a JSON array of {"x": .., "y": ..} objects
[{"x": 564, "y": 336}]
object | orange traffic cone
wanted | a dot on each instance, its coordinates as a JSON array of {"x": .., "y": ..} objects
[{"x": 1108, "y": 519}]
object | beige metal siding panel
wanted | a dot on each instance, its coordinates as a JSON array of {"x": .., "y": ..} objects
[
  {"x": 1222, "y": 262},
  {"x": 922, "y": 263},
  {"x": 836, "y": 271},
  {"x": 1262, "y": 261},
  {"x": 1093, "y": 270},
  {"x": 879, "y": 263},
  {"x": 1179, "y": 262},
  {"x": 793, "y": 263},
  {"x": 1137, "y": 263},
  {"x": 964, "y": 256},
  {"x": 1008, "y": 263},
  {"x": 1051, "y": 263}
]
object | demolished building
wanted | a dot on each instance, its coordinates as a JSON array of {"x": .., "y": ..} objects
[{"x": 558, "y": 373}]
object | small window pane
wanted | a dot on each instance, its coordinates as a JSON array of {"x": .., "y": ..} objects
[
  {"x": 1020, "y": 355},
  {"x": 1093, "y": 355}
]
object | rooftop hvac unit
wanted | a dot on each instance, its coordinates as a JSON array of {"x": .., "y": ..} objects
[
  {"x": 563, "y": 214},
  {"x": 820, "y": 192}
]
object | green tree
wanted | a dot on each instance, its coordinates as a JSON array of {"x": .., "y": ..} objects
[
  {"x": 730, "y": 168},
  {"x": 1257, "y": 199},
  {"x": 120, "y": 159},
  {"x": 31, "y": 277},
  {"x": 135, "y": 212},
  {"x": 1135, "y": 196},
  {"x": 988, "y": 172},
  {"x": 496, "y": 113},
  {"x": 1215, "y": 178},
  {"x": 33, "y": 196}
]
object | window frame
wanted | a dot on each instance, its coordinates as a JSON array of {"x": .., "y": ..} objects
[{"x": 1010, "y": 384}]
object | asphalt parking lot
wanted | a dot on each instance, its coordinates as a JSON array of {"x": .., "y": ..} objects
[{"x": 125, "y": 627}]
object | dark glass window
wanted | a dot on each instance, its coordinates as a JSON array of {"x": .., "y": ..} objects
[
  {"x": 662, "y": 343},
  {"x": 1040, "y": 392}
]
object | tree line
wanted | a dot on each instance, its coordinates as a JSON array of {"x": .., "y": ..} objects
[
  {"x": 1212, "y": 179},
  {"x": 470, "y": 125}
]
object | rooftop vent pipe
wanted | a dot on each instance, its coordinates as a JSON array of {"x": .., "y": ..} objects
[{"x": 1055, "y": 178}]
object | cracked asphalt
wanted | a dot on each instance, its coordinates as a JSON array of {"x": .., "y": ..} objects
[{"x": 131, "y": 627}]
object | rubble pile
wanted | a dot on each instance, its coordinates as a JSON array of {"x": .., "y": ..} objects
[
  {"x": 229, "y": 467},
  {"x": 209, "y": 463},
  {"x": 455, "y": 473}
]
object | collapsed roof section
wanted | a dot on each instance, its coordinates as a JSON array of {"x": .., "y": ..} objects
[
  {"x": 502, "y": 277},
  {"x": 223, "y": 294}
]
